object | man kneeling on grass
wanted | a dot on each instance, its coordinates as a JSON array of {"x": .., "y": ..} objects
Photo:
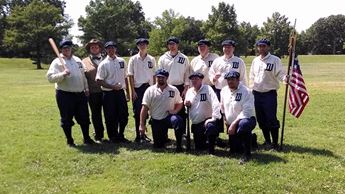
[
  {"x": 164, "y": 102},
  {"x": 237, "y": 103},
  {"x": 204, "y": 112}
]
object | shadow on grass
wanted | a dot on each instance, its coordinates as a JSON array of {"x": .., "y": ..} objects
[
  {"x": 307, "y": 150},
  {"x": 108, "y": 148}
]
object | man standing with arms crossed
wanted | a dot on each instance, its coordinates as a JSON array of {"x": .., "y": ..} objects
[
  {"x": 94, "y": 48},
  {"x": 71, "y": 92},
  {"x": 265, "y": 73},
  {"x": 112, "y": 76},
  {"x": 141, "y": 73},
  {"x": 204, "y": 111}
]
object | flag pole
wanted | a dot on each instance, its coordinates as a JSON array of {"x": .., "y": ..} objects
[{"x": 292, "y": 44}]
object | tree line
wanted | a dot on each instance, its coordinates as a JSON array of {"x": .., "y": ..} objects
[{"x": 26, "y": 25}]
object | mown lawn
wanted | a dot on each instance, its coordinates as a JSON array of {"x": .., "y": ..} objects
[{"x": 35, "y": 159}]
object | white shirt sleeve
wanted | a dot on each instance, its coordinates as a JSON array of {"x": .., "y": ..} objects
[
  {"x": 55, "y": 72},
  {"x": 243, "y": 74},
  {"x": 101, "y": 72},
  {"x": 187, "y": 72},
  {"x": 279, "y": 71},
  {"x": 215, "y": 105},
  {"x": 131, "y": 66},
  {"x": 247, "y": 107}
]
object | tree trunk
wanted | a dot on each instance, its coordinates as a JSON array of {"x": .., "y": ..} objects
[{"x": 38, "y": 57}]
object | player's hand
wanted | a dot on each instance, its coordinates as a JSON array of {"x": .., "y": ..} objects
[
  {"x": 286, "y": 79},
  {"x": 134, "y": 95},
  {"x": 87, "y": 93},
  {"x": 66, "y": 72},
  {"x": 209, "y": 120},
  {"x": 216, "y": 77},
  {"x": 117, "y": 86},
  {"x": 232, "y": 129},
  {"x": 142, "y": 129},
  {"x": 188, "y": 103}
]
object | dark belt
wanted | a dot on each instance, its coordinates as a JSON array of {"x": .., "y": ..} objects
[{"x": 65, "y": 92}]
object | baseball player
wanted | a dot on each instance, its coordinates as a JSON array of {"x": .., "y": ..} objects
[
  {"x": 265, "y": 73},
  {"x": 71, "y": 92},
  {"x": 164, "y": 102},
  {"x": 141, "y": 73},
  {"x": 112, "y": 76},
  {"x": 177, "y": 64},
  {"x": 204, "y": 111},
  {"x": 237, "y": 104},
  {"x": 94, "y": 48},
  {"x": 203, "y": 62}
]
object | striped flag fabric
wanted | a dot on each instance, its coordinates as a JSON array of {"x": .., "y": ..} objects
[{"x": 298, "y": 95}]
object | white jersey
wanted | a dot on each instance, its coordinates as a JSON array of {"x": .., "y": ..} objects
[
  {"x": 222, "y": 66},
  {"x": 202, "y": 65},
  {"x": 160, "y": 102},
  {"x": 238, "y": 104},
  {"x": 205, "y": 104},
  {"x": 178, "y": 68},
  {"x": 142, "y": 69},
  {"x": 266, "y": 73},
  {"x": 112, "y": 71},
  {"x": 75, "y": 82}
]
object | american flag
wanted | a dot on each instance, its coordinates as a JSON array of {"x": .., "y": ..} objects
[{"x": 298, "y": 95}]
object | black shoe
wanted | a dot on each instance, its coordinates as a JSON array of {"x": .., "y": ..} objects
[
  {"x": 70, "y": 142},
  {"x": 137, "y": 139},
  {"x": 145, "y": 139},
  {"x": 274, "y": 147},
  {"x": 220, "y": 143},
  {"x": 266, "y": 145},
  {"x": 99, "y": 140},
  {"x": 179, "y": 149},
  {"x": 89, "y": 141},
  {"x": 244, "y": 159},
  {"x": 211, "y": 151},
  {"x": 124, "y": 140}
]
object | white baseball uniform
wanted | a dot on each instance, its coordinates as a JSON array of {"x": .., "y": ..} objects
[
  {"x": 202, "y": 65},
  {"x": 112, "y": 71}
]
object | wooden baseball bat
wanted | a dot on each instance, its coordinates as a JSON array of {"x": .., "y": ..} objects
[{"x": 56, "y": 51}]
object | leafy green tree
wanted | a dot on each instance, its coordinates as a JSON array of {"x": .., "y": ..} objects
[
  {"x": 119, "y": 20},
  {"x": 277, "y": 29},
  {"x": 30, "y": 27},
  {"x": 222, "y": 24},
  {"x": 249, "y": 36},
  {"x": 327, "y": 35}
]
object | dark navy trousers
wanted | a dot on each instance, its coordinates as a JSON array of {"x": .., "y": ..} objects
[
  {"x": 219, "y": 122},
  {"x": 115, "y": 113},
  {"x": 266, "y": 114},
  {"x": 96, "y": 104},
  {"x": 137, "y": 104},
  {"x": 160, "y": 130},
  {"x": 241, "y": 141},
  {"x": 182, "y": 113},
  {"x": 202, "y": 134},
  {"x": 73, "y": 105}
]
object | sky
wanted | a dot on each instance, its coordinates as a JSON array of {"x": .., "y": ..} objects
[{"x": 255, "y": 12}]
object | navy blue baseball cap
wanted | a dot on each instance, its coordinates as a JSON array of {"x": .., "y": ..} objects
[
  {"x": 232, "y": 74},
  {"x": 66, "y": 43},
  {"x": 141, "y": 40},
  {"x": 173, "y": 39},
  {"x": 263, "y": 41},
  {"x": 162, "y": 72},
  {"x": 204, "y": 42},
  {"x": 196, "y": 74},
  {"x": 229, "y": 43},
  {"x": 110, "y": 43}
]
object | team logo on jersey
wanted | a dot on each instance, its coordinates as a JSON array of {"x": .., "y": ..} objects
[
  {"x": 181, "y": 60},
  {"x": 171, "y": 94},
  {"x": 122, "y": 64},
  {"x": 210, "y": 63},
  {"x": 235, "y": 65},
  {"x": 269, "y": 67},
  {"x": 80, "y": 65},
  {"x": 203, "y": 97},
  {"x": 238, "y": 97},
  {"x": 149, "y": 64}
]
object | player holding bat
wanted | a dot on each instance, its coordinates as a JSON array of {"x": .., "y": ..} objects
[{"x": 68, "y": 73}]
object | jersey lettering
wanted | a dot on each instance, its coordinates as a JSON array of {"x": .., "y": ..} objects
[
  {"x": 122, "y": 64},
  {"x": 171, "y": 94},
  {"x": 238, "y": 97},
  {"x": 181, "y": 60},
  {"x": 269, "y": 67},
  {"x": 210, "y": 63},
  {"x": 149, "y": 64},
  {"x": 235, "y": 65},
  {"x": 203, "y": 97}
]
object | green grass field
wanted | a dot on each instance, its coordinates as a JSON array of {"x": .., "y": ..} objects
[{"x": 34, "y": 157}]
